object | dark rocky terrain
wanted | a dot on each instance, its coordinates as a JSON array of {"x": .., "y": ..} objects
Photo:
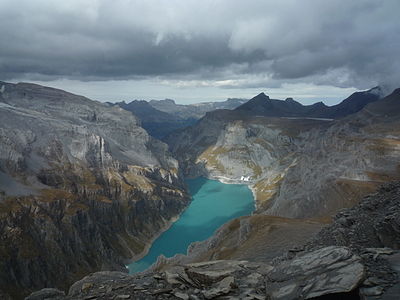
[
  {"x": 356, "y": 257},
  {"x": 83, "y": 188},
  {"x": 262, "y": 105}
]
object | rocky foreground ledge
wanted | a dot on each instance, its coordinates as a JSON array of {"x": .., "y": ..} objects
[
  {"x": 353, "y": 258},
  {"x": 330, "y": 270},
  {"x": 333, "y": 271}
]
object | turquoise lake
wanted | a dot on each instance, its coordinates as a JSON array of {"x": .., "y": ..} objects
[{"x": 213, "y": 204}]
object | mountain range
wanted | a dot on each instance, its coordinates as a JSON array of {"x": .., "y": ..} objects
[
  {"x": 162, "y": 117},
  {"x": 84, "y": 188},
  {"x": 262, "y": 105}
]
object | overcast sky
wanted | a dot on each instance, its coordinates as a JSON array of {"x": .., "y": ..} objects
[{"x": 202, "y": 50}]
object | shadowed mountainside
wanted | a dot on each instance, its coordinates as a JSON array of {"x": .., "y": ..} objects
[
  {"x": 194, "y": 111},
  {"x": 262, "y": 105},
  {"x": 160, "y": 118}
]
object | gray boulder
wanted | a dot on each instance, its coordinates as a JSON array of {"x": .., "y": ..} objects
[
  {"x": 48, "y": 293},
  {"x": 325, "y": 271}
]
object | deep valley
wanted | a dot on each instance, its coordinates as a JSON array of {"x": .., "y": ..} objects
[{"x": 85, "y": 189}]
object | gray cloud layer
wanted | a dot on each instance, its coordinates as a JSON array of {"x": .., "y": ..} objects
[{"x": 332, "y": 42}]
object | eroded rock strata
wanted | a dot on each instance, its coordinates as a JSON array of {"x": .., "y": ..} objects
[{"x": 83, "y": 188}]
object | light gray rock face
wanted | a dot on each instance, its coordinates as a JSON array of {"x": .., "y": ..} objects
[
  {"x": 48, "y": 293},
  {"x": 83, "y": 187},
  {"x": 326, "y": 271},
  {"x": 232, "y": 148},
  {"x": 87, "y": 282},
  {"x": 84, "y": 129}
]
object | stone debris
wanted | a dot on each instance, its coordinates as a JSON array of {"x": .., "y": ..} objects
[
  {"x": 182, "y": 296},
  {"x": 48, "y": 293},
  {"x": 326, "y": 271},
  {"x": 221, "y": 288}
]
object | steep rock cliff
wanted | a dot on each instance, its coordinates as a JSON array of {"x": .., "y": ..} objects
[{"x": 83, "y": 188}]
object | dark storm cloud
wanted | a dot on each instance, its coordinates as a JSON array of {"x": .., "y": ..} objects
[{"x": 333, "y": 42}]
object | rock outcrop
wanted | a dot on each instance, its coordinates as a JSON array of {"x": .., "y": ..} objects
[{"x": 83, "y": 188}]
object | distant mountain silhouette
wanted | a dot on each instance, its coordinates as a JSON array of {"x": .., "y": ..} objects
[
  {"x": 195, "y": 111},
  {"x": 264, "y": 106},
  {"x": 161, "y": 117},
  {"x": 157, "y": 123},
  {"x": 145, "y": 112}
]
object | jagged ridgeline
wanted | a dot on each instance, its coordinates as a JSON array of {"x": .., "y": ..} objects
[{"x": 82, "y": 188}]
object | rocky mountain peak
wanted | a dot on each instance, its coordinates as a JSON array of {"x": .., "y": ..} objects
[
  {"x": 388, "y": 106},
  {"x": 396, "y": 92},
  {"x": 262, "y": 105},
  {"x": 262, "y": 95},
  {"x": 378, "y": 90},
  {"x": 320, "y": 103},
  {"x": 163, "y": 102}
]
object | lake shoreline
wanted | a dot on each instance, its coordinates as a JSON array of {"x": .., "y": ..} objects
[
  {"x": 151, "y": 242},
  {"x": 199, "y": 220}
]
